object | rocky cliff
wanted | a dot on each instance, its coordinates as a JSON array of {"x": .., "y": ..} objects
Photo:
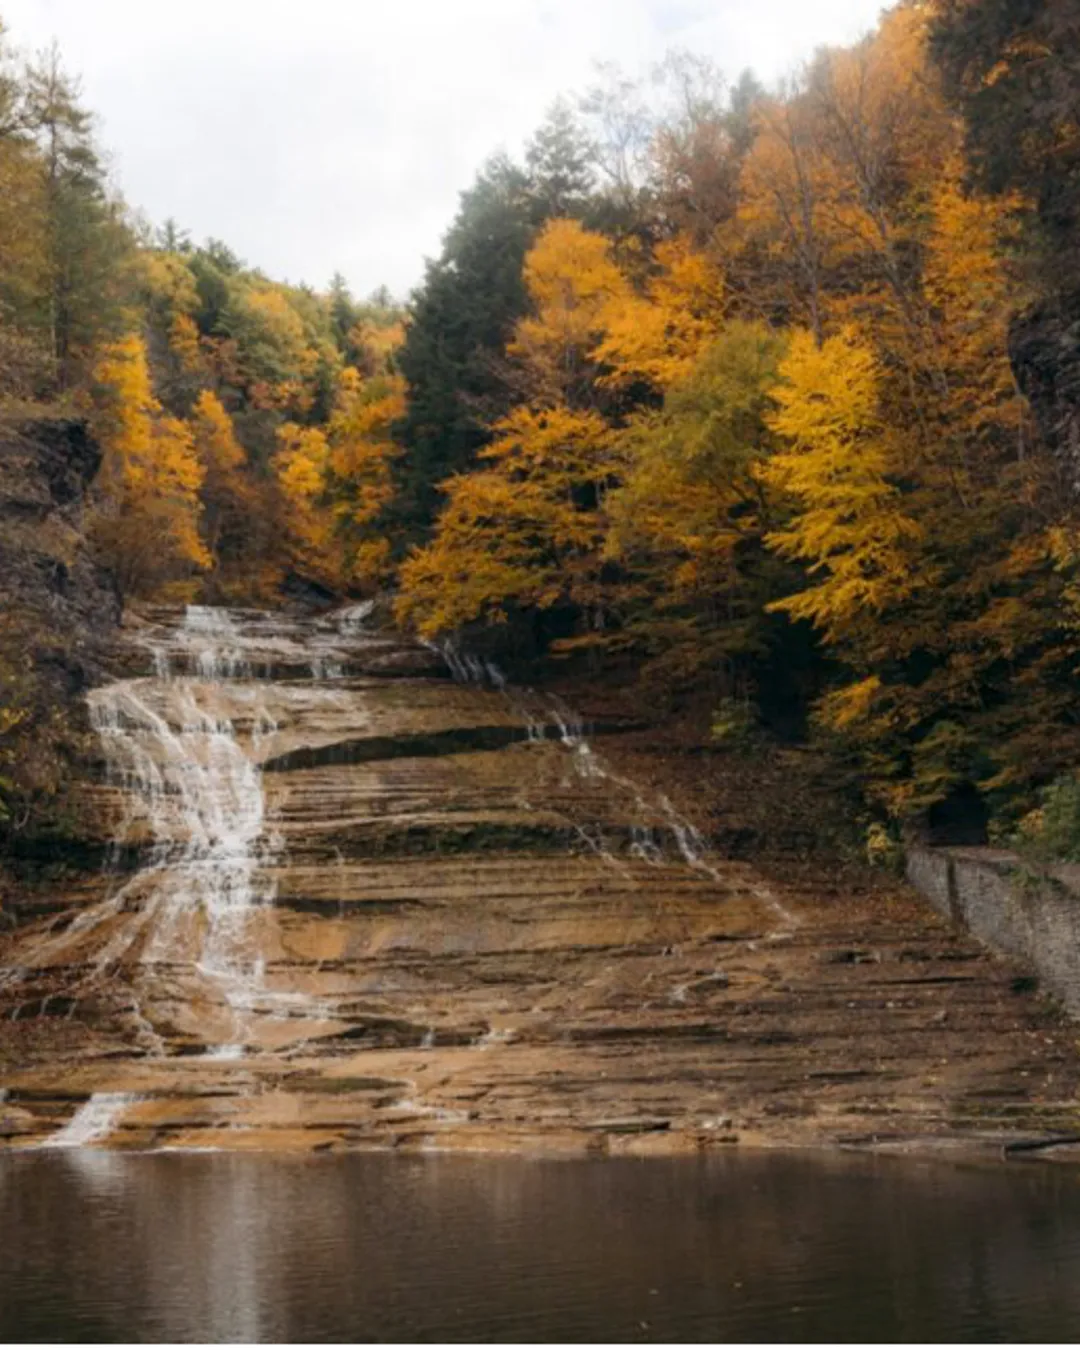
[{"x": 58, "y": 612}]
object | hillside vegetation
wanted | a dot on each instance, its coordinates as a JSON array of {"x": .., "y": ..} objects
[{"x": 769, "y": 400}]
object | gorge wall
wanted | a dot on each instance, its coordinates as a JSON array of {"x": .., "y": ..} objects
[{"x": 58, "y": 615}]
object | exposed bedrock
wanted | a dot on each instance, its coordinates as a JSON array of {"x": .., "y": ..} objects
[
  {"x": 59, "y": 614},
  {"x": 67, "y": 606},
  {"x": 354, "y": 903}
]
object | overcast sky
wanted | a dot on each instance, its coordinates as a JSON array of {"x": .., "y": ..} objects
[{"x": 314, "y": 135}]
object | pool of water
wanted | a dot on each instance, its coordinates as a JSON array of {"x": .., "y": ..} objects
[{"x": 108, "y": 1247}]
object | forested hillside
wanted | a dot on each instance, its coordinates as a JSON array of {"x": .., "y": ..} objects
[{"x": 770, "y": 398}]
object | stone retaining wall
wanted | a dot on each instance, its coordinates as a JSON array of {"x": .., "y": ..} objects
[{"x": 1012, "y": 906}]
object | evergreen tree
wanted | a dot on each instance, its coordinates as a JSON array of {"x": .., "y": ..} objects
[
  {"x": 459, "y": 323},
  {"x": 560, "y": 160},
  {"x": 465, "y": 312},
  {"x": 86, "y": 240},
  {"x": 342, "y": 312},
  {"x": 173, "y": 239}
]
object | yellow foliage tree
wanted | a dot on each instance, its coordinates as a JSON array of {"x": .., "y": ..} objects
[
  {"x": 782, "y": 240},
  {"x": 273, "y": 355},
  {"x": 146, "y": 523},
  {"x": 523, "y": 533},
  {"x": 972, "y": 300},
  {"x": 529, "y": 530},
  {"x": 301, "y": 467},
  {"x": 849, "y": 526},
  {"x": 359, "y": 481},
  {"x": 229, "y": 497},
  {"x": 687, "y": 520},
  {"x": 573, "y": 283},
  {"x": 336, "y": 480},
  {"x": 185, "y": 345},
  {"x": 657, "y": 336},
  {"x": 166, "y": 282}
]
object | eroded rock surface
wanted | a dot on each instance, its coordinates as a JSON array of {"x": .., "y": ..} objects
[
  {"x": 354, "y": 903},
  {"x": 59, "y": 612}
]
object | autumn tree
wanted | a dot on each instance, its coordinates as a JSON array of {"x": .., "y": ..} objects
[
  {"x": 653, "y": 335},
  {"x": 688, "y": 519},
  {"x": 233, "y": 526},
  {"x": 696, "y": 149},
  {"x": 780, "y": 239},
  {"x": 359, "y": 481},
  {"x": 1010, "y": 70},
  {"x": 523, "y": 534},
  {"x": 336, "y": 482},
  {"x": 301, "y": 467},
  {"x": 275, "y": 356},
  {"x": 850, "y": 526},
  {"x": 528, "y": 530},
  {"x": 146, "y": 520}
]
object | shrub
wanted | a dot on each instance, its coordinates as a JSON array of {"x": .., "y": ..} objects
[{"x": 1051, "y": 833}]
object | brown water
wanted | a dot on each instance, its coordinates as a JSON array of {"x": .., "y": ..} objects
[{"x": 105, "y": 1247}]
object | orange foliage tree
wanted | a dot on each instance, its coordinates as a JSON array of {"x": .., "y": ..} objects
[
  {"x": 146, "y": 522},
  {"x": 336, "y": 481},
  {"x": 527, "y": 529}
]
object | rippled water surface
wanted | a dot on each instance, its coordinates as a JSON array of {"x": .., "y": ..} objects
[{"x": 100, "y": 1246}]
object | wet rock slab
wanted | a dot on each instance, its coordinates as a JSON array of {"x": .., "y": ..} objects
[{"x": 450, "y": 924}]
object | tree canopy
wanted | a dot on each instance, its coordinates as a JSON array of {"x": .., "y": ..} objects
[{"x": 714, "y": 384}]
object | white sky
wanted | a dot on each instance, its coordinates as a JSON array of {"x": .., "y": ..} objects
[{"x": 336, "y": 134}]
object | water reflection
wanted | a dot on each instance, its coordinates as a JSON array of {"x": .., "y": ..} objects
[{"x": 98, "y": 1246}]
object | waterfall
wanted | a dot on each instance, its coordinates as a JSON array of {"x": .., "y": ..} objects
[
  {"x": 184, "y": 748},
  {"x": 183, "y": 940},
  {"x": 194, "y": 787},
  {"x": 93, "y": 1121},
  {"x": 282, "y": 792},
  {"x": 181, "y": 750},
  {"x": 352, "y": 620}
]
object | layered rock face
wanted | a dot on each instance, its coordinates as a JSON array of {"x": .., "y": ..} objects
[
  {"x": 58, "y": 613},
  {"x": 47, "y": 575},
  {"x": 355, "y": 902}
]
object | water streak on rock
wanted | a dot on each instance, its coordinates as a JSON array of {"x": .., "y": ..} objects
[{"x": 93, "y": 1122}]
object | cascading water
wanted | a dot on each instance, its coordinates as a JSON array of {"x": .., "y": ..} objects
[
  {"x": 195, "y": 796},
  {"x": 181, "y": 751},
  {"x": 550, "y": 717},
  {"x": 290, "y": 787},
  {"x": 94, "y": 1121},
  {"x": 183, "y": 944}
]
